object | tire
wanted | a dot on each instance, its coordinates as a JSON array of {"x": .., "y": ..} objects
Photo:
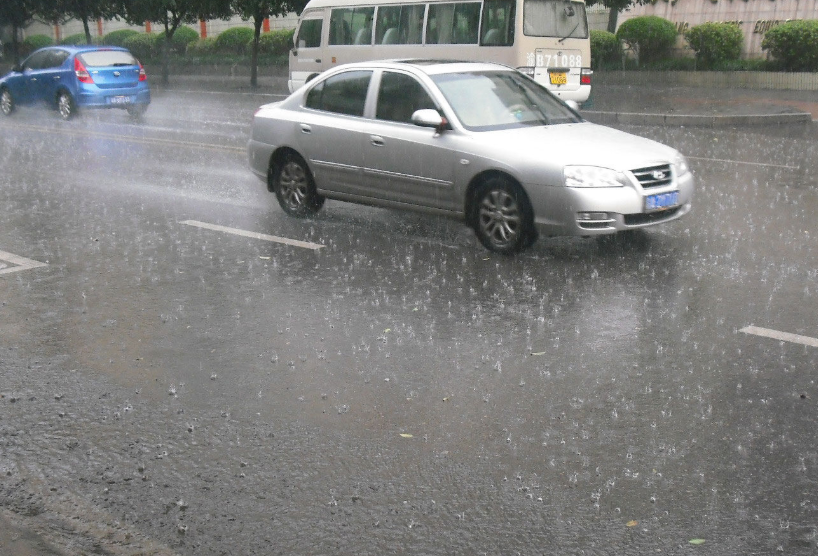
[
  {"x": 65, "y": 105},
  {"x": 136, "y": 111},
  {"x": 6, "y": 102},
  {"x": 502, "y": 217},
  {"x": 294, "y": 187}
]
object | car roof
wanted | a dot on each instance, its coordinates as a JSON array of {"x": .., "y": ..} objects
[
  {"x": 76, "y": 49},
  {"x": 428, "y": 66}
]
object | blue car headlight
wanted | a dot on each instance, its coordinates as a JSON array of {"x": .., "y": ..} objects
[{"x": 593, "y": 176}]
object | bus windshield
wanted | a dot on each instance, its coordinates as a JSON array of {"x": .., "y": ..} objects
[{"x": 555, "y": 18}]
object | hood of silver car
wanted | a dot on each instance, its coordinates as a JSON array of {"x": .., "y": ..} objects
[{"x": 584, "y": 144}]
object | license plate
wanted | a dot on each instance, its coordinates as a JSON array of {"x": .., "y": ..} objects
[
  {"x": 662, "y": 201},
  {"x": 120, "y": 100},
  {"x": 558, "y": 78}
]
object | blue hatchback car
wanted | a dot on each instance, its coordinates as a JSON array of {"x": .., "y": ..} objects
[{"x": 77, "y": 77}]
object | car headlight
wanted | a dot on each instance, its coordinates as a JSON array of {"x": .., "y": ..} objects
[
  {"x": 593, "y": 176},
  {"x": 680, "y": 163}
]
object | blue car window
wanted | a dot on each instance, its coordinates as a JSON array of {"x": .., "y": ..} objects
[
  {"x": 56, "y": 58},
  {"x": 37, "y": 61}
]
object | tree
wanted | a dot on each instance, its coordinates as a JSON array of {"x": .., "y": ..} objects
[
  {"x": 17, "y": 14},
  {"x": 171, "y": 14},
  {"x": 82, "y": 10},
  {"x": 615, "y": 7},
  {"x": 258, "y": 11}
]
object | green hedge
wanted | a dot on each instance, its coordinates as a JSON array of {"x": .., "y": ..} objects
[
  {"x": 202, "y": 47},
  {"x": 276, "y": 42},
  {"x": 652, "y": 37},
  {"x": 117, "y": 38},
  {"x": 78, "y": 39},
  {"x": 234, "y": 40},
  {"x": 794, "y": 45},
  {"x": 715, "y": 43},
  {"x": 606, "y": 52},
  {"x": 32, "y": 43},
  {"x": 183, "y": 37},
  {"x": 142, "y": 45}
]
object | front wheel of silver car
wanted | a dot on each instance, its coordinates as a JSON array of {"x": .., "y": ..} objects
[
  {"x": 6, "y": 102},
  {"x": 294, "y": 187},
  {"x": 66, "y": 106},
  {"x": 502, "y": 216}
]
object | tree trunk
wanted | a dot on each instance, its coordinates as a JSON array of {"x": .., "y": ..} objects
[
  {"x": 254, "y": 56},
  {"x": 87, "y": 30},
  {"x": 166, "y": 55},
  {"x": 613, "y": 14}
]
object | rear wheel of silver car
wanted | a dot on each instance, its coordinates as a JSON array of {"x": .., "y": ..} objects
[
  {"x": 502, "y": 217},
  {"x": 295, "y": 188},
  {"x": 65, "y": 105},
  {"x": 6, "y": 102}
]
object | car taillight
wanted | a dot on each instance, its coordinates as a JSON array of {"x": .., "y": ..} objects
[
  {"x": 82, "y": 74},
  {"x": 585, "y": 76},
  {"x": 142, "y": 75}
]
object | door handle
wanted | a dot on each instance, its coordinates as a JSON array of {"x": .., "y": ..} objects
[
  {"x": 376, "y": 140},
  {"x": 306, "y": 129},
  {"x": 56, "y": 77}
]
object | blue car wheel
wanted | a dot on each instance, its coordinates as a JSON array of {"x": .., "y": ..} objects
[
  {"x": 66, "y": 106},
  {"x": 6, "y": 102}
]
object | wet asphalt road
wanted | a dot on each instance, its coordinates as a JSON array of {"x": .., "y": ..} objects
[{"x": 171, "y": 388}]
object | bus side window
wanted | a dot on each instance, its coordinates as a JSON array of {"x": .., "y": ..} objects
[
  {"x": 453, "y": 23},
  {"x": 498, "y": 23}
]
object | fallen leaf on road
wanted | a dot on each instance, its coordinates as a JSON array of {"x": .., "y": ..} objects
[
  {"x": 696, "y": 541},
  {"x": 632, "y": 523},
  {"x": 404, "y": 435}
]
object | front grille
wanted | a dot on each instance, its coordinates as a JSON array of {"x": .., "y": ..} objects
[
  {"x": 649, "y": 218},
  {"x": 654, "y": 176}
]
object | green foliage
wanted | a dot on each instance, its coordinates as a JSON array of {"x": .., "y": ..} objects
[
  {"x": 34, "y": 42},
  {"x": 794, "y": 44},
  {"x": 650, "y": 36},
  {"x": 76, "y": 38},
  {"x": 183, "y": 37},
  {"x": 715, "y": 43},
  {"x": 202, "y": 47},
  {"x": 117, "y": 38},
  {"x": 276, "y": 42},
  {"x": 142, "y": 45},
  {"x": 606, "y": 52},
  {"x": 234, "y": 40}
]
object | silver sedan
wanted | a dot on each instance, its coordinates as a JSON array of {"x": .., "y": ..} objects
[{"x": 475, "y": 141}]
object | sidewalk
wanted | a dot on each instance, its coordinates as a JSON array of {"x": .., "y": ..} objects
[{"x": 654, "y": 104}]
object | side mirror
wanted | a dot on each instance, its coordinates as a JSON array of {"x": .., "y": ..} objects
[
  {"x": 429, "y": 118},
  {"x": 569, "y": 10}
]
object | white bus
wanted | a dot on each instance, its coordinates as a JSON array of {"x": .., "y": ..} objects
[{"x": 546, "y": 39}]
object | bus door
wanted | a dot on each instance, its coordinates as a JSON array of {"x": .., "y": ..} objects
[{"x": 306, "y": 54}]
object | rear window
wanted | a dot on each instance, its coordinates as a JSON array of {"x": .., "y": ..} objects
[{"x": 107, "y": 58}]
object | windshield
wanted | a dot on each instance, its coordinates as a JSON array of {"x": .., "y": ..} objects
[
  {"x": 107, "y": 58},
  {"x": 492, "y": 100},
  {"x": 555, "y": 18}
]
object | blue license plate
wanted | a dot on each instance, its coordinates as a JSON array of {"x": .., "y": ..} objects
[
  {"x": 662, "y": 201},
  {"x": 120, "y": 100}
]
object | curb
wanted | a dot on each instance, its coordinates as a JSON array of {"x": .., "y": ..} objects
[{"x": 694, "y": 120}]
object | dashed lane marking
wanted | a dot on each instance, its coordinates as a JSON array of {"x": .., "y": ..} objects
[
  {"x": 254, "y": 235},
  {"x": 782, "y": 336},
  {"x": 19, "y": 263},
  {"x": 728, "y": 161}
]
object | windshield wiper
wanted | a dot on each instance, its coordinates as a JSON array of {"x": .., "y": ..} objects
[{"x": 571, "y": 33}]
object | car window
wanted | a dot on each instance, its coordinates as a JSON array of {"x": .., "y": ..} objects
[
  {"x": 344, "y": 93},
  {"x": 501, "y": 100},
  {"x": 402, "y": 24},
  {"x": 56, "y": 58},
  {"x": 453, "y": 23},
  {"x": 107, "y": 58},
  {"x": 38, "y": 60},
  {"x": 309, "y": 33},
  {"x": 399, "y": 96}
]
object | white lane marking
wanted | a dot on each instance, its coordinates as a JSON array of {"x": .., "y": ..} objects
[
  {"x": 21, "y": 263},
  {"x": 728, "y": 161},
  {"x": 783, "y": 336},
  {"x": 231, "y": 93},
  {"x": 254, "y": 235}
]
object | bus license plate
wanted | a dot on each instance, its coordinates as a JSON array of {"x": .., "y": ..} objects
[
  {"x": 558, "y": 78},
  {"x": 120, "y": 100},
  {"x": 662, "y": 201}
]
